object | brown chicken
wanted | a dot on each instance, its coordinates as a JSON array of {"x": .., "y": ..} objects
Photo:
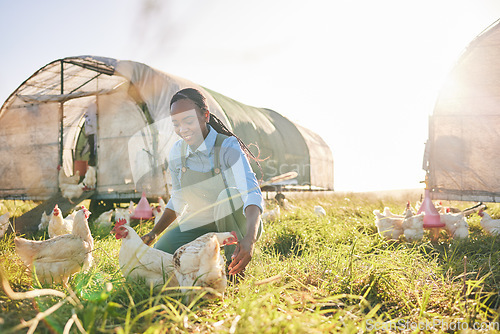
[{"x": 200, "y": 263}]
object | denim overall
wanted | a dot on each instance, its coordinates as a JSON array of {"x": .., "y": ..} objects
[{"x": 206, "y": 194}]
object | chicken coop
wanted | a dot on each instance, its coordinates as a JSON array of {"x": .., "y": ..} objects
[
  {"x": 461, "y": 156},
  {"x": 43, "y": 125}
]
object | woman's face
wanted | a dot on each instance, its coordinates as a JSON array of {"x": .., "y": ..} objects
[{"x": 190, "y": 123}]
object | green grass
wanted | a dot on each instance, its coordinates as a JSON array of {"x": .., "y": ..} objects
[{"x": 328, "y": 274}]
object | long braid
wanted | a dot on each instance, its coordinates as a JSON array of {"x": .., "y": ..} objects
[
  {"x": 197, "y": 97},
  {"x": 219, "y": 127}
]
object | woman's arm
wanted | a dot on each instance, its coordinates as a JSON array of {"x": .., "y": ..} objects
[
  {"x": 241, "y": 174},
  {"x": 166, "y": 219},
  {"x": 244, "y": 251},
  {"x": 234, "y": 159}
]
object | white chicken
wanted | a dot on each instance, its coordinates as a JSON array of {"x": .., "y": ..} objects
[
  {"x": 200, "y": 263},
  {"x": 90, "y": 178},
  {"x": 462, "y": 230},
  {"x": 104, "y": 219},
  {"x": 63, "y": 179},
  {"x": 413, "y": 226},
  {"x": 55, "y": 260},
  {"x": 319, "y": 211},
  {"x": 418, "y": 204},
  {"x": 157, "y": 213},
  {"x": 438, "y": 205},
  {"x": 490, "y": 225},
  {"x": 71, "y": 191},
  {"x": 59, "y": 225},
  {"x": 137, "y": 260},
  {"x": 409, "y": 211},
  {"x": 44, "y": 220},
  {"x": 121, "y": 213},
  {"x": 455, "y": 224},
  {"x": 271, "y": 215},
  {"x": 4, "y": 223},
  {"x": 161, "y": 203},
  {"x": 387, "y": 213},
  {"x": 388, "y": 227}
]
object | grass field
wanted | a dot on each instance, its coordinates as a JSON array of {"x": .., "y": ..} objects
[{"x": 309, "y": 274}]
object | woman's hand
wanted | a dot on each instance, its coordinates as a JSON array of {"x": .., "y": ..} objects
[
  {"x": 166, "y": 219},
  {"x": 149, "y": 238},
  {"x": 244, "y": 251},
  {"x": 241, "y": 256}
]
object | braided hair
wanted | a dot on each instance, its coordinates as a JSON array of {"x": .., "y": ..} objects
[{"x": 201, "y": 102}]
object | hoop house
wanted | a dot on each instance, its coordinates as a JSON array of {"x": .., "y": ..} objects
[{"x": 42, "y": 126}]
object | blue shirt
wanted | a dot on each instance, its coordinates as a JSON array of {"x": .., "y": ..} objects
[{"x": 201, "y": 160}]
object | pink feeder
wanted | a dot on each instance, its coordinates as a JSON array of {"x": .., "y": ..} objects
[
  {"x": 431, "y": 217},
  {"x": 143, "y": 210}
]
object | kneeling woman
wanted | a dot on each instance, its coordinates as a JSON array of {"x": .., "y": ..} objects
[{"x": 213, "y": 186}]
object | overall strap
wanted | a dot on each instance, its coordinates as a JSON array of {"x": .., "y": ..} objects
[
  {"x": 183, "y": 155},
  {"x": 218, "y": 143}
]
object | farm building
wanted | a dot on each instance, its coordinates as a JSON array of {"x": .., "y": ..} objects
[
  {"x": 461, "y": 156},
  {"x": 42, "y": 125}
]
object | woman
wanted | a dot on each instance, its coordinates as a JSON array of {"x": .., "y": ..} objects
[{"x": 213, "y": 186}]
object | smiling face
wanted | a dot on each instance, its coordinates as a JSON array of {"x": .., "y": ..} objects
[{"x": 190, "y": 122}]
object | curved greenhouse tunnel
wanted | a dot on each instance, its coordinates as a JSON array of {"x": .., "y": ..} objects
[{"x": 134, "y": 133}]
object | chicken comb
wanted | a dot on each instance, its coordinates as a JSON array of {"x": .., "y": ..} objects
[{"x": 120, "y": 222}]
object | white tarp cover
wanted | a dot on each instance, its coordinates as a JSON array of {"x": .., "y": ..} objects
[
  {"x": 134, "y": 132},
  {"x": 464, "y": 131}
]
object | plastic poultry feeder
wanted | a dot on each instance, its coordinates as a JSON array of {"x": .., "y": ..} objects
[
  {"x": 432, "y": 219},
  {"x": 143, "y": 210}
]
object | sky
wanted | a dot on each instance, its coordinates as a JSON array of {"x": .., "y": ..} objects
[{"x": 362, "y": 74}]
